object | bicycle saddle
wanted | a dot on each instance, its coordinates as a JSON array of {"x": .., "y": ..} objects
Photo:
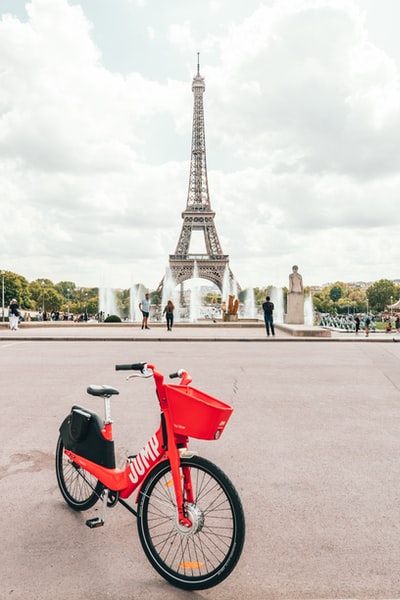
[{"x": 102, "y": 390}]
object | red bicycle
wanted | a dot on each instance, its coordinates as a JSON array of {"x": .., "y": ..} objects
[{"x": 189, "y": 515}]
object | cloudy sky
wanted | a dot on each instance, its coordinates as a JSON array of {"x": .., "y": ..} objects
[{"x": 302, "y": 113}]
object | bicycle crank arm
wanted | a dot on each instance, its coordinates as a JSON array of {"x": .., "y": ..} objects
[{"x": 99, "y": 521}]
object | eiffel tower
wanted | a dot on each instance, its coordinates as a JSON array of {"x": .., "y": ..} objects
[{"x": 213, "y": 264}]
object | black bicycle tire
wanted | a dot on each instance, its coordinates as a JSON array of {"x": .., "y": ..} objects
[
  {"x": 184, "y": 577},
  {"x": 72, "y": 479}
]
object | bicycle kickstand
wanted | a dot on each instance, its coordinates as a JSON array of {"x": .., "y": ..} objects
[{"x": 99, "y": 521}]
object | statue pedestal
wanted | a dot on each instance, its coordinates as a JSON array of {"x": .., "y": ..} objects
[
  {"x": 295, "y": 309},
  {"x": 230, "y": 317}
]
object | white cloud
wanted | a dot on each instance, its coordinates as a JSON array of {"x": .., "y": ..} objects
[{"x": 302, "y": 130}]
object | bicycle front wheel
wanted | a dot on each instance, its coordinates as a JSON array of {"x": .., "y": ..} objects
[
  {"x": 206, "y": 553},
  {"x": 80, "y": 489}
]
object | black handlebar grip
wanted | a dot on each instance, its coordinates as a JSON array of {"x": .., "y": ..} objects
[
  {"x": 133, "y": 367},
  {"x": 174, "y": 375}
]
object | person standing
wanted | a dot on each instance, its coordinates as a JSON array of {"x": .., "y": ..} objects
[
  {"x": 144, "y": 307},
  {"x": 13, "y": 315},
  {"x": 169, "y": 314},
  {"x": 268, "y": 308},
  {"x": 357, "y": 322}
]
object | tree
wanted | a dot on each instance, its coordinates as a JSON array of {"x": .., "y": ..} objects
[
  {"x": 341, "y": 297},
  {"x": 259, "y": 295},
  {"x": 357, "y": 300},
  {"x": 93, "y": 306},
  {"x": 156, "y": 298},
  {"x": 123, "y": 298},
  {"x": 45, "y": 295},
  {"x": 335, "y": 293},
  {"x": 67, "y": 289},
  {"x": 36, "y": 291},
  {"x": 322, "y": 301},
  {"x": 215, "y": 298},
  {"x": 53, "y": 300},
  {"x": 16, "y": 286},
  {"x": 380, "y": 294}
]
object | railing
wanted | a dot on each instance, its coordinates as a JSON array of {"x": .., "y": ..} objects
[{"x": 198, "y": 257}]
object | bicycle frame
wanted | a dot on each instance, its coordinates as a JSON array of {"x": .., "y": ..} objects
[
  {"x": 165, "y": 444},
  {"x": 190, "y": 519}
]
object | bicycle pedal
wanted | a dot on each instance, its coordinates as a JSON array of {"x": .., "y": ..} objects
[{"x": 95, "y": 522}]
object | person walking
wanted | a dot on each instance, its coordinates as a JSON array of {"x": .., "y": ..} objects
[
  {"x": 169, "y": 314},
  {"x": 367, "y": 322},
  {"x": 268, "y": 308},
  {"x": 13, "y": 315},
  {"x": 144, "y": 307}
]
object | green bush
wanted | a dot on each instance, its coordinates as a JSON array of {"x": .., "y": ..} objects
[{"x": 112, "y": 319}]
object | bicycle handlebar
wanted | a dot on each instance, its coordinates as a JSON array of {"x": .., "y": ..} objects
[
  {"x": 176, "y": 374},
  {"x": 132, "y": 367},
  {"x": 184, "y": 376},
  {"x": 148, "y": 369}
]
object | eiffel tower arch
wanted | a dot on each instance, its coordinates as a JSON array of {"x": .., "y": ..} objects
[{"x": 212, "y": 264}]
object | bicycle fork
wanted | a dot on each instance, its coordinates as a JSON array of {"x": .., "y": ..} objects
[{"x": 185, "y": 493}]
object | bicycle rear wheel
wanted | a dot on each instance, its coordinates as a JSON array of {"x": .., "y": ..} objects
[
  {"x": 204, "y": 555},
  {"x": 80, "y": 489}
]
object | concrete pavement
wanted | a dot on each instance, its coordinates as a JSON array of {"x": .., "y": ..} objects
[{"x": 312, "y": 448}]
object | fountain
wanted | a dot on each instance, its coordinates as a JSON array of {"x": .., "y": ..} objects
[
  {"x": 277, "y": 299},
  {"x": 229, "y": 287},
  {"x": 171, "y": 292},
  {"x": 308, "y": 310},
  {"x": 234, "y": 287},
  {"x": 107, "y": 301},
  {"x": 249, "y": 311},
  {"x": 225, "y": 287},
  {"x": 195, "y": 300},
  {"x": 137, "y": 293}
]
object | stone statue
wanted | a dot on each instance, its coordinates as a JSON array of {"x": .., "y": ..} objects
[
  {"x": 295, "y": 281},
  {"x": 295, "y": 298}
]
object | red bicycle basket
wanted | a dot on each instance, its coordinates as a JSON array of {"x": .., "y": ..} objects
[{"x": 195, "y": 413}]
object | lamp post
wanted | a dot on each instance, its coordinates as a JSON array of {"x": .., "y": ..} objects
[
  {"x": 68, "y": 304},
  {"x": 43, "y": 284},
  {"x": 2, "y": 294},
  {"x": 391, "y": 307}
]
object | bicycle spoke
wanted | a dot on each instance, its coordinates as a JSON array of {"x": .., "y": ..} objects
[
  {"x": 80, "y": 489},
  {"x": 193, "y": 556}
]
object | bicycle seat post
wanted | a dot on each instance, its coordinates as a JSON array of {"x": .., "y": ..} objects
[
  {"x": 105, "y": 392},
  {"x": 107, "y": 418},
  {"x": 107, "y": 409}
]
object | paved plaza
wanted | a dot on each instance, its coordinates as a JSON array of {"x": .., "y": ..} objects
[{"x": 312, "y": 447}]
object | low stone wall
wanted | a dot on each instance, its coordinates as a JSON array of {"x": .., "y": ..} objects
[{"x": 304, "y": 330}]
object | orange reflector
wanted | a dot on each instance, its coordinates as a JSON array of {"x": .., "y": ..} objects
[
  {"x": 170, "y": 483},
  {"x": 191, "y": 565}
]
